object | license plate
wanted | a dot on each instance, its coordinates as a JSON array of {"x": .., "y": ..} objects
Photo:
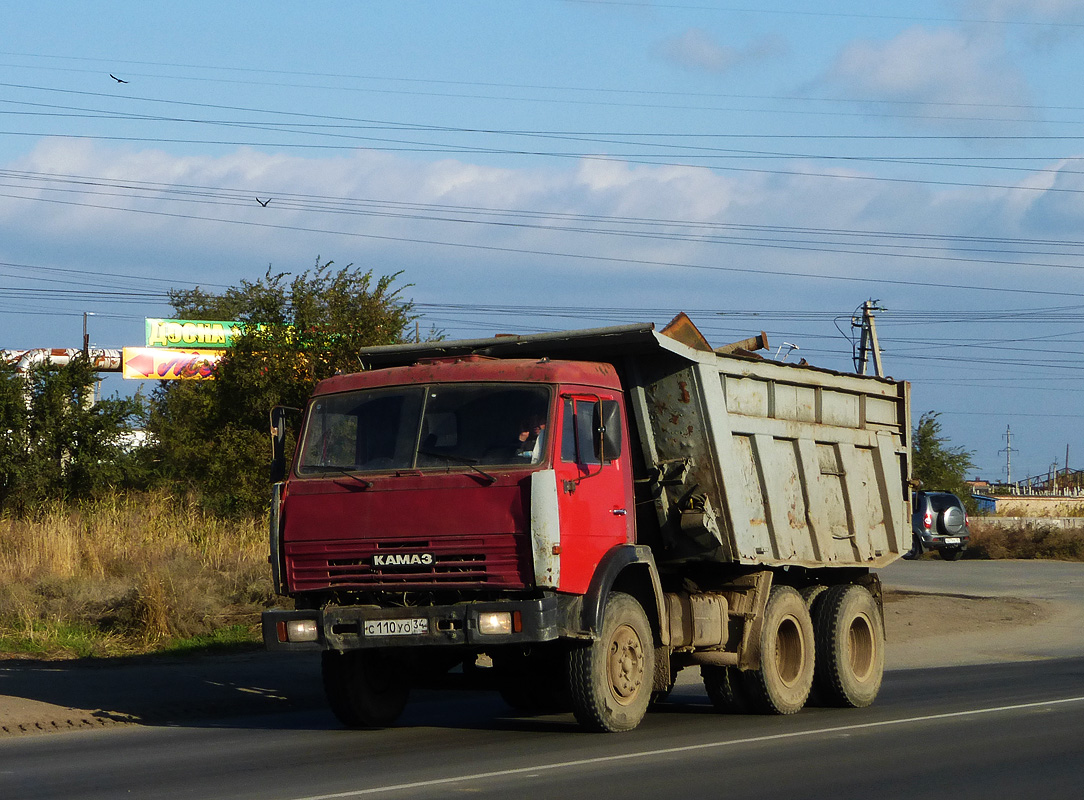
[
  {"x": 952, "y": 540},
  {"x": 396, "y": 627}
]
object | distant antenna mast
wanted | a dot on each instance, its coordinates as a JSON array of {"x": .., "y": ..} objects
[
  {"x": 868, "y": 345},
  {"x": 1008, "y": 454}
]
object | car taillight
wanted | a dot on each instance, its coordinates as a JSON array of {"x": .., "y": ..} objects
[{"x": 927, "y": 520}]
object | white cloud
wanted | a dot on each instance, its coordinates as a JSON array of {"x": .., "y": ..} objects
[
  {"x": 695, "y": 49},
  {"x": 517, "y": 261},
  {"x": 1058, "y": 210},
  {"x": 947, "y": 77}
]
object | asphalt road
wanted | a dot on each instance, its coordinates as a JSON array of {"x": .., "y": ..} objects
[
  {"x": 1002, "y": 730},
  {"x": 1006, "y": 729}
]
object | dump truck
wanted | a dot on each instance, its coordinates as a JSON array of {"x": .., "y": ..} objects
[{"x": 573, "y": 518}]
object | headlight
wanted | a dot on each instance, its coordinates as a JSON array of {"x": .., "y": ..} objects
[
  {"x": 298, "y": 630},
  {"x": 495, "y": 622}
]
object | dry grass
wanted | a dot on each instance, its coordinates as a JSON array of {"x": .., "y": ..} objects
[
  {"x": 126, "y": 575},
  {"x": 1028, "y": 540}
]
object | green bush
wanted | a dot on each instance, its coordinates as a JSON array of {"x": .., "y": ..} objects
[
  {"x": 56, "y": 445},
  {"x": 212, "y": 436}
]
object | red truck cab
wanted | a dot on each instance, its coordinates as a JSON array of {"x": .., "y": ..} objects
[{"x": 503, "y": 480}]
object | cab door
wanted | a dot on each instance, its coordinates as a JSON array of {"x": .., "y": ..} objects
[{"x": 594, "y": 484}]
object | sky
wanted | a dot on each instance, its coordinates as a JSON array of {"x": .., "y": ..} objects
[{"x": 536, "y": 165}]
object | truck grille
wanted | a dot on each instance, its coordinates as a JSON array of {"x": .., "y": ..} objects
[{"x": 492, "y": 561}]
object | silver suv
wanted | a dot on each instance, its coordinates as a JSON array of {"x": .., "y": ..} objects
[{"x": 938, "y": 522}]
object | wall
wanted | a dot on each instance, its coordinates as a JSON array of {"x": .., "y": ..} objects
[{"x": 1033, "y": 506}]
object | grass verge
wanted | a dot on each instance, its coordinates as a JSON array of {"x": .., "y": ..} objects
[
  {"x": 1027, "y": 541},
  {"x": 130, "y": 575}
]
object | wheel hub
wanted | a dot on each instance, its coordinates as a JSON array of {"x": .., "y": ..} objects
[
  {"x": 626, "y": 664},
  {"x": 861, "y": 647}
]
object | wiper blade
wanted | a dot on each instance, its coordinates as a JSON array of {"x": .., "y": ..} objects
[
  {"x": 351, "y": 474},
  {"x": 470, "y": 462}
]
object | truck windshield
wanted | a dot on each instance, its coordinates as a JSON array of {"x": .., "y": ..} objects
[{"x": 419, "y": 427}]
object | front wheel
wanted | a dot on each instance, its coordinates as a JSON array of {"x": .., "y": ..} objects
[
  {"x": 365, "y": 688},
  {"x": 611, "y": 678}
]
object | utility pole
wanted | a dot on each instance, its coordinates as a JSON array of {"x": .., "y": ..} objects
[
  {"x": 86, "y": 337},
  {"x": 1008, "y": 454},
  {"x": 868, "y": 345},
  {"x": 92, "y": 395}
]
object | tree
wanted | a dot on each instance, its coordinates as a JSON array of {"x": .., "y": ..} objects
[
  {"x": 55, "y": 444},
  {"x": 212, "y": 436},
  {"x": 934, "y": 463}
]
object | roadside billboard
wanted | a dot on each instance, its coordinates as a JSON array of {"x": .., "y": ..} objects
[
  {"x": 185, "y": 333},
  {"x": 156, "y": 363}
]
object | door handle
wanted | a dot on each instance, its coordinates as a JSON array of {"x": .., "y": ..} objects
[{"x": 619, "y": 512}]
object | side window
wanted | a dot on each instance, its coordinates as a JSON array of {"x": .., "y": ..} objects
[{"x": 586, "y": 425}]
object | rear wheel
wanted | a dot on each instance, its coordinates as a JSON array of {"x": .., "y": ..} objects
[
  {"x": 727, "y": 689},
  {"x": 611, "y": 678},
  {"x": 365, "y": 688},
  {"x": 951, "y": 553},
  {"x": 782, "y": 683},
  {"x": 849, "y": 632}
]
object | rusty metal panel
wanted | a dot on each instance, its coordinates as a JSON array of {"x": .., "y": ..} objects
[
  {"x": 795, "y": 403},
  {"x": 786, "y": 504},
  {"x": 751, "y": 531},
  {"x": 675, "y": 432},
  {"x": 839, "y": 409},
  {"x": 746, "y": 396}
]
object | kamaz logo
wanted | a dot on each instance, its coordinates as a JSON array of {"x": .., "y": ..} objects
[{"x": 403, "y": 560}]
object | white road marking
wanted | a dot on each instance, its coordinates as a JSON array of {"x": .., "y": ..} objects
[{"x": 665, "y": 751}]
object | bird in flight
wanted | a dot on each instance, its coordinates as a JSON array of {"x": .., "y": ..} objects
[
  {"x": 114, "y": 77},
  {"x": 263, "y": 202}
]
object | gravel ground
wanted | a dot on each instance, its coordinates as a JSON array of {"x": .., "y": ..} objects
[{"x": 923, "y": 630}]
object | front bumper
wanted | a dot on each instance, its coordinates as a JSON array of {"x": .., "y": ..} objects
[{"x": 342, "y": 627}]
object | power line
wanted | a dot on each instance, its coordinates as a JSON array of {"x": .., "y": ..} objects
[
  {"x": 600, "y": 258},
  {"x": 828, "y": 14}
]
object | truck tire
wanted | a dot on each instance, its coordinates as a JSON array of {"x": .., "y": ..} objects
[
  {"x": 365, "y": 688},
  {"x": 782, "y": 683},
  {"x": 727, "y": 689},
  {"x": 611, "y": 678},
  {"x": 849, "y": 632}
]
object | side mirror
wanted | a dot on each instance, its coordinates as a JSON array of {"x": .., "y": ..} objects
[
  {"x": 608, "y": 443},
  {"x": 278, "y": 442}
]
